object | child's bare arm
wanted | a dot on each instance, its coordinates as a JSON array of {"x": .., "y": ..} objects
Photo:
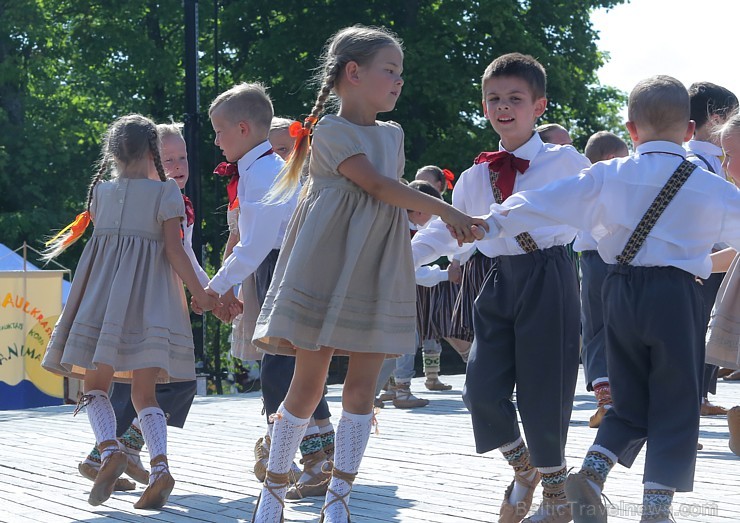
[{"x": 721, "y": 260}]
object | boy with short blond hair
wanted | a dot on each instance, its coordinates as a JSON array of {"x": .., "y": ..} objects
[
  {"x": 603, "y": 145},
  {"x": 526, "y": 317},
  {"x": 652, "y": 302},
  {"x": 241, "y": 118}
]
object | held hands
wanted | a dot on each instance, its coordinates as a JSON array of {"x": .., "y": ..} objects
[
  {"x": 205, "y": 300},
  {"x": 464, "y": 228},
  {"x": 229, "y": 307}
]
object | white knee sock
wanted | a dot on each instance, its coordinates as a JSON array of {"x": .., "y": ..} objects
[
  {"x": 154, "y": 429},
  {"x": 287, "y": 434},
  {"x": 102, "y": 420},
  {"x": 353, "y": 433}
]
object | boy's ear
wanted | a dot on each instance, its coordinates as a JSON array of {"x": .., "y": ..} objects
[
  {"x": 485, "y": 109},
  {"x": 540, "y": 104},
  {"x": 690, "y": 129},
  {"x": 244, "y": 128},
  {"x": 632, "y": 129}
]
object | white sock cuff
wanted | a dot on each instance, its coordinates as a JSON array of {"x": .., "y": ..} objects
[
  {"x": 312, "y": 429},
  {"x": 650, "y": 485},
  {"x": 357, "y": 418},
  {"x": 606, "y": 452},
  {"x": 97, "y": 393},
  {"x": 599, "y": 381},
  {"x": 550, "y": 470},
  {"x": 506, "y": 447},
  {"x": 151, "y": 410},
  {"x": 290, "y": 418},
  {"x": 326, "y": 428}
]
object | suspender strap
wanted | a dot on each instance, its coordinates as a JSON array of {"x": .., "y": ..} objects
[
  {"x": 525, "y": 240},
  {"x": 651, "y": 216}
]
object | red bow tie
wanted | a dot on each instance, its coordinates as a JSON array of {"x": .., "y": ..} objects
[
  {"x": 506, "y": 165},
  {"x": 229, "y": 169},
  {"x": 189, "y": 211}
]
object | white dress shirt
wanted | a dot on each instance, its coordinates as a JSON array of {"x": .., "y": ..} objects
[
  {"x": 188, "y": 245},
  {"x": 473, "y": 195},
  {"x": 428, "y": 275},
  {"x": 262, "y": 226},
  {"x": 710, "y": 152},
  {"x": 609, "y": 199}
]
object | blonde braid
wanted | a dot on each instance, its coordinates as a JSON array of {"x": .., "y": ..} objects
[
  {"x": 154, "y": 148},
  {"x": 290, "y": 176}
]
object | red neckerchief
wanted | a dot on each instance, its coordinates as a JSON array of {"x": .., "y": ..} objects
[
  {"x": 506, "y": 165},
  {"x": 232, "y": 169},
  {"x": 189, "y": 211}
]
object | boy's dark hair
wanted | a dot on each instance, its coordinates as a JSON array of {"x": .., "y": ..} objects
[
  {"x": 426, "y": 188},
  {"x": 708, "y": 99},
  {"x": 521, "y": 66},
  {"x": 660, "y": 102}
]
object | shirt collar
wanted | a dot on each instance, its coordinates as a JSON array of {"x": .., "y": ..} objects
[
  {"x": 246, "y": 161},
  {"x": 527, "y": 151},
  {"x": 703, "y": 147},
  {"x": 661, "y": 147}
]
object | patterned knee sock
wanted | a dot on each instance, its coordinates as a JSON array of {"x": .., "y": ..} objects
[
  {"x": 602, "y": 392},
  {"x": 102, "y": 419},
  {"x": 154, "y": 429},
  {"x": 432, "y": 358},
  {"x": 93, "y": 459},
  {"x": 287, "y": 434},
  {"x": 353, "y": 433},
  {"x": 517, "y": 455},
  {"x": 327, "y": 439},
  {"x": 656, "y": 502},
  {"x": 132, "y": 439},
  {"x": 313, "y": 453},
  {"x": 553, "y": 481},
  {"x": 597, "y": 464}
]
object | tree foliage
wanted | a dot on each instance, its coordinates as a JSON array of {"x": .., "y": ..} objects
[{"x": 68, "y": 68}]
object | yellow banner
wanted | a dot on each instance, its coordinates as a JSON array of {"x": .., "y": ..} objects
[{"x": 30, "y": 303}]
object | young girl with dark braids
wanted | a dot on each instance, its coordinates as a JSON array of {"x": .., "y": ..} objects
[
  {"x": 344, "y": 281},
  {"x": 126, "y": 318}
]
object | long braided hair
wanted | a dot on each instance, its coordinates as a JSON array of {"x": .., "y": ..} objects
[
  {"x": 351, "y": 44},
  {"x": 126, "y": 141}
]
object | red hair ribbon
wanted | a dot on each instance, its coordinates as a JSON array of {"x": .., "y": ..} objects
[
  {"x": 76, "y": 229},
  {"x": 297, "y": 130},
  {"x": 449, "y": 177},
  {"x": 229, "y": 169}
]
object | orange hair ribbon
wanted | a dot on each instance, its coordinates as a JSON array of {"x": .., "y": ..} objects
[
  {"x": 77, "y": 228},
  {"x": 302, "y": 131},
  {"x": 449, "y": 177}
]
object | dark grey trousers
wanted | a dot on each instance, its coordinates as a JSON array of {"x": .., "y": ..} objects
[
  {"x": 593, "y": 354},
  {"x": 709, "y": 291},
  {"x": 526, "y": 334},
  {"x": 655, "y": 352},
  {"x": 174, "y": 399},
  {"x": 276, "y": 371}
]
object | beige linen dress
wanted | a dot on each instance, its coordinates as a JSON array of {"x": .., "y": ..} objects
[
  {"x": 127, "y": 306},
  {"x": 723, "y": 335},
  {"x": 345, "y": 277}
]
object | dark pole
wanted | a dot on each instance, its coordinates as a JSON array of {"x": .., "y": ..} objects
[{"x": 192, "y": 139}]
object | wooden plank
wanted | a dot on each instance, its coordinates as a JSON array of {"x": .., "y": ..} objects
[{"x": 421, "y": 467}]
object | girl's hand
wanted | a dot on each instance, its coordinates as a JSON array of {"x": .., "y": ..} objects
[
  {"x": 462, "y": 227},
  {"x": 206, "y": 300},
  {"x": 454, "y": 272}
]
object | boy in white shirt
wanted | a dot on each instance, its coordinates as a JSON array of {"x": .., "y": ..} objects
[
  {"x": 656, "y": 246},
  {"x": 711, "y": 106},
  {"x": 526, "y": 318}
]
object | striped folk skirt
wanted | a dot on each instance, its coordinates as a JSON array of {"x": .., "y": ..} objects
[{"x": 474, "y": 273}]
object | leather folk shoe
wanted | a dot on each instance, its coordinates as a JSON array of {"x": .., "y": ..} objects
[
  {"x": 89, "y": 472},
  {"x": 586, "y": 505},
  {"x": 156, "y": 494},
  {"x": 261, "y": 457},
  {"x": 110, "y": 470},
  {"x": 551, "y": 511},
  {"x": 708, "y": 409},
  {"x": 135, "y": 469},
  {"x": 434, "y": 383},
  {"x": 514, "y": 513},
  {"x": 406, "y": 400},
  {"x": 319, "y": 474},
  {"x": 733, "y": 421}
]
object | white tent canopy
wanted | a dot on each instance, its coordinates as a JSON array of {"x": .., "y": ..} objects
[{"x": 12, "y": 261}]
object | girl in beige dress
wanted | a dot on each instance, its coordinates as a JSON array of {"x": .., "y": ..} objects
[
  {"x": 126, "y": 317},
  {"x": 344, "y": 281}
]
